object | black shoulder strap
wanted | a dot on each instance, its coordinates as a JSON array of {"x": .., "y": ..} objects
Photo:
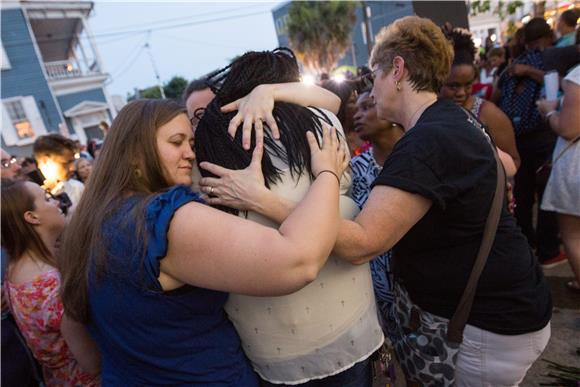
[{"x": 459, "y": 319}]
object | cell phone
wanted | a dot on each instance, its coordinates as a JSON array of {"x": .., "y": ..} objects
[
  {"x": 63, "y": 199},
  {"x": 64, "y": 202}
]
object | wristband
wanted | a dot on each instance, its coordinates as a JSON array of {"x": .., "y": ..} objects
[
  {"x": 550, "y": 114},
  {"x": 329, "y": 171}
]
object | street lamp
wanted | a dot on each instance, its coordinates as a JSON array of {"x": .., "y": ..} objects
[{"x": 308, "y": 79}]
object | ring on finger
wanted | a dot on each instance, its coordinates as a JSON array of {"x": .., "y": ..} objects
[{"x": 211, "y": 190}]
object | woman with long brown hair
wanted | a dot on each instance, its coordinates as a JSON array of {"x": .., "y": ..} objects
[
  {"x": 32, "y": 223},
  {"x": 149, "y": 267}
]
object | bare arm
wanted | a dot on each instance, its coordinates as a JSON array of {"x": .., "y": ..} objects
[
  {"x": 522, "y": 70},
  {"x": 386, "y": 217},
  {"x": 566, "y": 122},
  {"x": 508, "y": 163},
  {"x": 244, "y": 190},
  {"x": 81, "y": 345},
  {"x": 235, "y": 255},
  {"x": 496, "y": 96},
  {"x": 358, "y": 241},
  {"x": 501, "y": 130},
  {"x": 256, "y": 108}
]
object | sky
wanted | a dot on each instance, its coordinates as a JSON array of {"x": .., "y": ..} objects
[{"x": 216, "y": 33}]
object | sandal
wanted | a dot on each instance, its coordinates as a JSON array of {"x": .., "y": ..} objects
[{"x": 573, "y": 286}]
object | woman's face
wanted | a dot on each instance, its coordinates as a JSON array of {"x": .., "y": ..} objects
[
  {"x": 84, "y": 168},
  {"x": 350, "y": 112},
  {"x": 495, "y": 61},
  {"x": 384, "y": 94},
  {"x": 366, "y": 123},
  {"x": 459, "y": 84},
  {"x": 175, "y": 147},
  {"x": 46, "y": 209}
]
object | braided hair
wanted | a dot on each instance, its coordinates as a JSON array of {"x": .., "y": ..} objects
[
  {"x": 463, "y": 46},
  {"x": 214, "y": 144}
]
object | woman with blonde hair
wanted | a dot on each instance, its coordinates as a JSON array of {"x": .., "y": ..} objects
[
  {"x": 432, "y": 202},
  {"x": 83, "y": 169}
]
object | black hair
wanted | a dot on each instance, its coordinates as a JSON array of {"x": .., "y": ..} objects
[
  {"x": 52, "y": 144},
  {"x": 212, "y": 141},
  {"x": 463, "y": 46},
  {"x": 195, "y": 85},
  {"x": 343, "y": 90},
  {"x": 28, "y": 161},
  {"x": 496, "y": 51},
  {"x": 536, "y": 29},
  {"x": 570, "y": 17}
]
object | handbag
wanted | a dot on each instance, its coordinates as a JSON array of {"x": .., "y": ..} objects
[
  {"x": 544, "y": 171},
  {"x": 427, "y": 345}
]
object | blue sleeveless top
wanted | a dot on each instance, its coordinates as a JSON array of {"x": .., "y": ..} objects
[{"x": 150, "y": 337}]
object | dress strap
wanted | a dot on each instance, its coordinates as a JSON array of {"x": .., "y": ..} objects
[{"x": 476, "y": 108}]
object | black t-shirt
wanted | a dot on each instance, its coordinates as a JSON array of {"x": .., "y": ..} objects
[{"x": 449, "y": 160}]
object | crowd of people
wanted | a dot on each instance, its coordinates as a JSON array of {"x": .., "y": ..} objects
[{"x": 420, "y": 251}]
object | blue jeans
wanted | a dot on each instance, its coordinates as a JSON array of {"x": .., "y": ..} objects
[{"x": 359, "y": 375}]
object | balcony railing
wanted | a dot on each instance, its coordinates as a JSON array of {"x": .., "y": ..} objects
[{"x": 66, "y": 69}]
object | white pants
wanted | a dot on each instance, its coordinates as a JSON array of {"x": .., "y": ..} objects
[{"x": 488, "y": 359}]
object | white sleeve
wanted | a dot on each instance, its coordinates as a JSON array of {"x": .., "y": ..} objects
[
  {"x": 574, "y": 75},
  {"x": 346, "y": 178}
]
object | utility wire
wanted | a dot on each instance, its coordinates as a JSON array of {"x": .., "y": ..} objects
[
  {"x": 204, "y": 43},
  {"x": 148, "y": 47},
  {"x": 117, "y": 39},
  {"x": 136, "y": 31},
  {"x": 130, "y": 55},
  {"x": 114, "y": 77},
  {"x": 179, "y": 18}
]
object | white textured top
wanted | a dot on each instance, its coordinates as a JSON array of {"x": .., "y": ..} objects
[{"x": 321, "y": 330}]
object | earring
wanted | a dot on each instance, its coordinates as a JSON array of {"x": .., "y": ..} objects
[
  {"x": 398, "y": 84},
  {"x": 138, "y": 173}
]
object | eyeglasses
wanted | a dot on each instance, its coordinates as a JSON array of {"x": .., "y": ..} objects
[
  {"x": 367, "y": 80},
  {"x": 197, "y": 116},
  {"x": 6, "y": 163}
]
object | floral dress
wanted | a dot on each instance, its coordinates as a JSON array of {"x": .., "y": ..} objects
[{"x": 38, "y": 312}]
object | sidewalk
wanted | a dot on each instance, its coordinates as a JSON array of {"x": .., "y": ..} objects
[{"x": 565, "y": 338}]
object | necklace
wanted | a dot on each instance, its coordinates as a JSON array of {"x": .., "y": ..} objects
[
  {"x": 374, "y": 162},
  {"x": 421, "y": 109}
]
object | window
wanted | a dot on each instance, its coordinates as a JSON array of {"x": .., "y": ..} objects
[
  {"x": 282, "y": 25},
  {"x": 19, "y": 119},
  {"x": 5, "y": 65}
]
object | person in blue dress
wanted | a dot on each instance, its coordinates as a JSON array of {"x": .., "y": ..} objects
[{"x": 148, "y": 266}]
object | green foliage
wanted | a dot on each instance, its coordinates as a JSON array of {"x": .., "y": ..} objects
[
  {"x": 152, "y": 92},
  {"x": 320, "y": 31},
  {"x": 561, "y": 375},
  {"x": 175, "y": 87},
  {"x": 482, "y": 6}
]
